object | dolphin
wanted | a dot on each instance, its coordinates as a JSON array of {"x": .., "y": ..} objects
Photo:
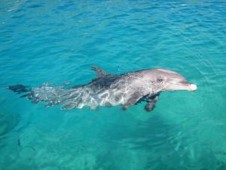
[{"x": 109, "y": 89}]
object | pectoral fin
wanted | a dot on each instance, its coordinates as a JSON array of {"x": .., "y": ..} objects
[
  {"x": 151, "y": 101},
  {"x": 135, "y": 97}
]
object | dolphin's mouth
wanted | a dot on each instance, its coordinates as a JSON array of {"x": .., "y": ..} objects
[
  {"x": 183, "y": 85},
  {"x": 193, "y": 87},
  {"x": 189, "y": 86}
]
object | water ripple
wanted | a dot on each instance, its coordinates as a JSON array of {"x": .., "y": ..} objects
[{"x": 59, "y": 41}]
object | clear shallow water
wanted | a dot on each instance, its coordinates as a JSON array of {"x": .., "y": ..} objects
[{"x": 58, "y": 41}]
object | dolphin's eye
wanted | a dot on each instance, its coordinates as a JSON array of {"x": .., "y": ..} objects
[{"x": 160, "y": 80}]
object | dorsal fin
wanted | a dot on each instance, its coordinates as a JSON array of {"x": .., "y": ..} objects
[{"x": 100, "y": 72}]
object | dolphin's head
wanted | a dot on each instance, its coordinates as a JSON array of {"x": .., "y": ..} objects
[{"x": 166, "y": 80}]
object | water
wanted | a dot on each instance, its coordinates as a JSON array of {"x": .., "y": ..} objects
[{"x": 58, "y": 41}]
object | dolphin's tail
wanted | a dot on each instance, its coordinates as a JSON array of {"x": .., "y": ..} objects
[
  {"x": 54, "y": 95},
  {"x": 19, "y": 88},
  {"x": 44, "y": 93}
]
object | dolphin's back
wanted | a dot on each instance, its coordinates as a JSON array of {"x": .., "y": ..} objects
[{"x": 104, "y": 82}]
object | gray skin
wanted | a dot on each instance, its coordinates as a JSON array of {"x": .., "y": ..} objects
[{"x": 110, "y": 90}]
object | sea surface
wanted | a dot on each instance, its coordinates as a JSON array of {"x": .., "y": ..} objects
[{"x": 57, "y": 41}]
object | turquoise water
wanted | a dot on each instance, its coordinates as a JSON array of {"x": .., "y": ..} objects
[{"x": 58, "y": 41}]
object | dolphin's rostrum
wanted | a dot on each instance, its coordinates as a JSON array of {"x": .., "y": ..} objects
[{"x": 110, "y": 90}]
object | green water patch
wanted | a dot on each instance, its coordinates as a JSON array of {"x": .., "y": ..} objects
[{"x": 8, "y": 121}]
